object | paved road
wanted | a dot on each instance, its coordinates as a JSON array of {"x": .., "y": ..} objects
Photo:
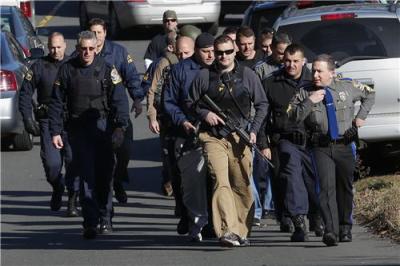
[{"x": 145, "y": 227}]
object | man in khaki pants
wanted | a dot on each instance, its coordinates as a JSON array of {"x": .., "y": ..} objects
[{"x": 234, "y": 89}]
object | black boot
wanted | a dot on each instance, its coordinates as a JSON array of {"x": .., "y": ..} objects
[
  {"x": 119, "y": 192},
  {"x": 56, "y": 197},
  {"x": 72, "y": 210},
  {"x": 316, "y": 224},
  {"x": 300, "y": 229},
  {"x": 345, "y": 233}
]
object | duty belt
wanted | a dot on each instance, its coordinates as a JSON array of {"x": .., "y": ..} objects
[
  {"x": 321, "y": 140},
  {"x": 297, "y": 138}
]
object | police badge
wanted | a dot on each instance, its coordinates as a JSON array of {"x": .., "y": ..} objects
[{"x": 342, "y": 96}]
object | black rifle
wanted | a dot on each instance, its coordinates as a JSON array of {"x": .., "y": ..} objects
[{"x": 233, "y": 124}]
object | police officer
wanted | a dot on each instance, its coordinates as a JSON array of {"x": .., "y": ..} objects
[
  {"x": 247, "y": 54},
  {"x": 234, "y": 88},
  {"x": 327, "y": 109},
  {"x": 41, "y": 78},
  {"x": 159, "y": 122},
  {"x": 295, "y": 172},
  {"x": 274, "y": 62},
  {"x": 97, "y": 116},
  {"x": 158, "y": 44},
  {"x": 190, "y": 159},
  {"x": 117, "y": 56},
  {"x": 265, "y": 40}
]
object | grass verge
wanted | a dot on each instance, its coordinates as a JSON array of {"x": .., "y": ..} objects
[{"x": 377, "y": 201}]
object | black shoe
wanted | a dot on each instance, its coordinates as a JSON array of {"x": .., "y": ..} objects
[
  {"x": 330, "y": 239},
  {"x": 208, "y": 232},
  {"x": 183, "y": 226},
  {"x": 89, "y": 232},
  {"x": 345, "y": 234},
  {"x": 105, "y": 227},
  {"x": 229, "y": 240},
  {"x": 120, "y": 193},
  {"x": 256, "y": 221},
  {"x": 316, "y": 225},
  {"x": 286, "y": 225},
  {"x": 72, "y": 210},
  {"x": 244, "y": 242},
  {"x": 56, "y": 198},
  {"x": 300, "y": 229}
]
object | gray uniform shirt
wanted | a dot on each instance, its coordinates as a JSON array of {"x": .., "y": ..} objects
[
  {"x": 267, "y": 68},
  {"x": 345, "y": 93}
]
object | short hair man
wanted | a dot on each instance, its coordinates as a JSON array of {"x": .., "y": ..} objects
[
  {"x": 247, "y": 55},
  {"x": 326, "y": 107},
  {"x": 234, "y": 87},
  {"x": 159, "y": 42}
]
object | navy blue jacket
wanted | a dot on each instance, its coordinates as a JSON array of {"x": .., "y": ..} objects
[
  {"x": 32, "y": 82},
  {"x": 117, "y": 55},
  {"x": 176, "y": 93},
  {"x": 118, "y": 102}
]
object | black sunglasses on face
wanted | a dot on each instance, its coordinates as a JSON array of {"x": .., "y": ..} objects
[
  {"x": 87, "y": 48},
  {"x": 227, "y": 52},
  {"x": 169, "y": 20}
]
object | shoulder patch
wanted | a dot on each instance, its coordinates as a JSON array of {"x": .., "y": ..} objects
[
  {"x": 129, "y": 58},
  {"x": 28, "y": 75},
  {"x": 115, "y": 77},
  {"x": 146, "y": 76},
  {"x": 362, "y": 86}
]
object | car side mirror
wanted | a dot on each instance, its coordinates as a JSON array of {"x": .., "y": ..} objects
[{"x": 36, "y": 53}]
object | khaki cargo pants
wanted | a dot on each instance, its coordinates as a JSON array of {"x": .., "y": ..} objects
[{"x": 229, "y": 162}]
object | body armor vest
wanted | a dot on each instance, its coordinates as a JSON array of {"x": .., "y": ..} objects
[
  {"x": 228, "y": 92},
  {"x": 88, "y": 94},
  {"x": 49, "y": 75}
]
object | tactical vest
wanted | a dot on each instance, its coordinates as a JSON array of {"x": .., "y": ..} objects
[
  {"x": 228, "y": 92},
  {"x": 88, "y": 94},
  {"x": 45, "y": 87}
]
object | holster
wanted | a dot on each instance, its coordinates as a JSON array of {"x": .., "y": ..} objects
[{"x": 41, "y": 112}]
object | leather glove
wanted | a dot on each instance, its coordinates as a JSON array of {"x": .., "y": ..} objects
[
  {"x": 117, "y": 137},
  {"x": 350, "y": 134},
  {"x": 137, "y": 107},
  {"x": 32, "y": 127}
]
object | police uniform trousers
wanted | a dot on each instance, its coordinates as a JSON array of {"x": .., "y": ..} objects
[
  {"x": 296, "y": 169},
  {"x": 94, "y": 157},
  {"x": 53, "y": 159},
  {"x": 193, "y": 172},
  {"x": 123, "y": 156},
  {"x": 229, "y": 163},
  {"x": 335, "y": 165}
]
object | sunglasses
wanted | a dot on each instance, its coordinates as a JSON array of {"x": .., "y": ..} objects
[
  {"x": 227, "y": 52},
  {"x": 91, "y": 49},
  {"x": 169, "y": 20}
]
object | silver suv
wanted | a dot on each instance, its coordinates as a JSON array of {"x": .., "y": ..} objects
[{"x": 364, "y": 39}]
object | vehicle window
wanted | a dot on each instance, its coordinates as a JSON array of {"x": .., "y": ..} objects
[
  {"x": 5, "y": 58},
  {"x": 6, "y": 23},
  {"x": 16, "y": 50},
  {"x": 26, "y": 24},
  {"x": 265, "y": 18},
  {"x": 346, "y": 38}
]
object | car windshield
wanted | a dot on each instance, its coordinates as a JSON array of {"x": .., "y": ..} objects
[
  {"x": 6, "y": 23},
  {"x": 265, "y": 18},
  {"x": 358, "y": 38}
]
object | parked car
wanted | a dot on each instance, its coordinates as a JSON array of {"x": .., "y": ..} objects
[
  {"x": 260, "y": 15},
  {"x": 233, "y": 7},
  {"x": 13, "y": 68},
  {"x": 13, "y": 20},
  {"x": 126, "y": 14},
  {"x": 364, "y": 39},
  {"x": 27, "y": 8}
]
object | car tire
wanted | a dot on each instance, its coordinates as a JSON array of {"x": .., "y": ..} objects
[
  {"x": 113, "y": 28},
  {"x": 211, "y": 28},
  {"x": 83, "y": 16},
  {"x": 23, "y": 142}
]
